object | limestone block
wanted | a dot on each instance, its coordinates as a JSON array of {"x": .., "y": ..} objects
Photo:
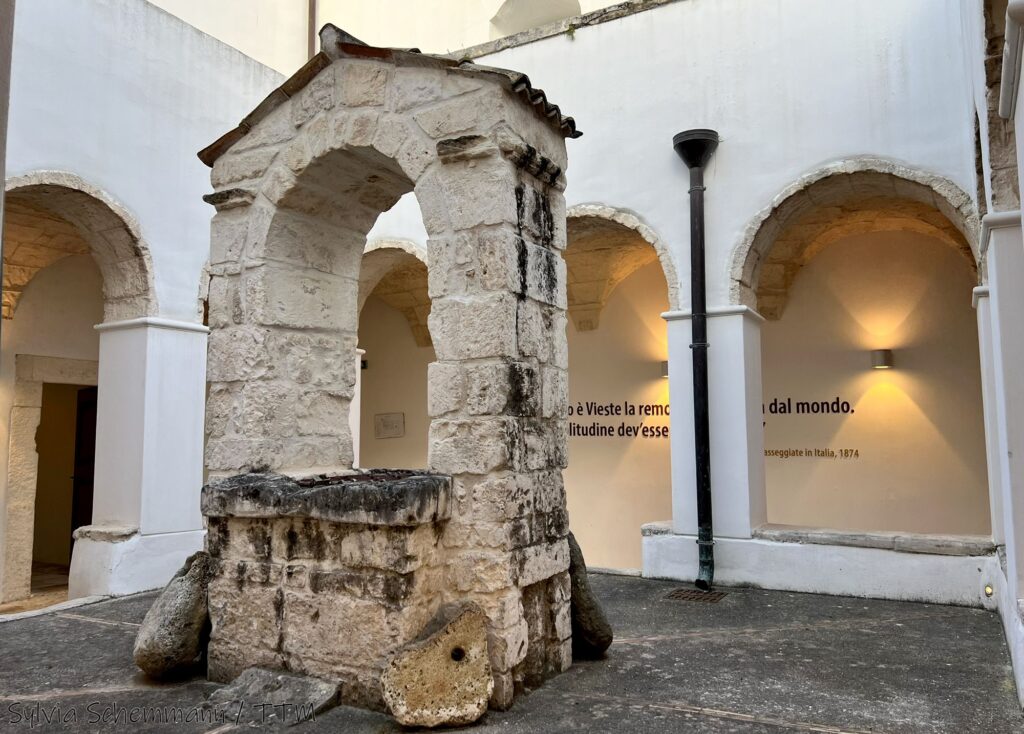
[
  {"x": 591, "y": 633},
  {"x": 446, "y": 388},
  {"x": 316, "y": 96},
  {"x": 460, "y": 115},
  {"x": 392, "y": 131},
  {"x": 234, "y": 455},
  {"x": 508, "y": 645},
  {"x": 413, "y": 87},
  {"x": 241, "y": 166},
  {"x": 480, "y": 192},
  {"x": 322, "y": 360},
  {"x": 280, "y": 295},
  {"x": 323, "y": 413},
  {"x": 540, "y": 562},
  {"x": 487, "y": 388},
  {"x": 272, "y": 130},
  {"x": 241, "y": 611},
  {"x": 476, "y": 446},
  {"x": 443, "y": 678},
  {"x": 362, "y": 84},
  {"x": 356, "y": 128},
  {"x": 415, "y": 156},
  {"x": 493, "y": 331},
  {"x": 479, "y": 571},
  {"x": 554, "y": 393},
  {"x": 494, "y": 498},
  {"x": 237, "y": 353},
  {"x": 306, "y": 242},
  {"x": 262, "y": 697}
]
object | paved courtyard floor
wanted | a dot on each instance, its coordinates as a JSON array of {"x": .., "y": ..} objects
[{"x": 756, "y": 661}]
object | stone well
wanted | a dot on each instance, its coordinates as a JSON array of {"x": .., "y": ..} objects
[
  {"x": 298, "y": 184},
  {"x": 326, "y": 575}
]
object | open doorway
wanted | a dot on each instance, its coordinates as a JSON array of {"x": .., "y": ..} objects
[{"x": 66, "y": 444}]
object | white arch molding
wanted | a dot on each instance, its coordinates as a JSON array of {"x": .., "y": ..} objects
[
  {"x": 586, "y": 299},
  {"x": 850, "y": 196}
]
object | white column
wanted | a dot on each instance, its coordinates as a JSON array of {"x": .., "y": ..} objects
[
  {"x": 737, "y": 430},
  {"x": 1005, "y": 265},
  {"x": 980, "y": 299},
  {"x": 149, "y": 457},
  {"x": 355, "y": 408}
]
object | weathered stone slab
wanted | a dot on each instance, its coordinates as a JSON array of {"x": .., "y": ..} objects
[
  {"x": 392, "y": 498},
  {"x": 591, "y": 633},
  {"x": 176, "y": 629},
  {"x": 444, "y": 677},
  {"x": 272, "y": 698}
]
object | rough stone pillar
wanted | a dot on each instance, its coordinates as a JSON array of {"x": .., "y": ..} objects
[
  {"x": 498, "y": 399},
  {"x": 146, "y": 517}
]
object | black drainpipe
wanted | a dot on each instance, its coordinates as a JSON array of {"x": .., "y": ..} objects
[{"x": 696, "y": 147}]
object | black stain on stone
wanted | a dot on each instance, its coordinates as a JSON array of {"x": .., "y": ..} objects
[
  {"x": 291, "y": 543},
  {"x": 279, "y": 618},
  {"x": 258, "y": 534},
  {"x": 240, "y": 575},
  {"x": 522, "y": 398},
  {"x": 217, "y": 535},
  {"x": 314, "y": 539}
]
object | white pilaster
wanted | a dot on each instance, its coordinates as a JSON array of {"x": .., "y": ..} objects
[
  {"x": 149, "y": 457},
  {"x": 737, "y": 432},
  {"x": 982, "y": 306},
  {"x": 1004, "y": 257}
]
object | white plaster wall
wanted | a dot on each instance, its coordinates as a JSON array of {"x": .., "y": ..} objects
[
  {"x": 124, "y": 95},
  {"x": 395, "y": 382},
  {"x": 273, "y": 32},
  {"x": 789, "y": 85},
  {"x": 616, "y": 484},
  {"x": 6, "y": 43},
  {"x": 918, "y": 428}
]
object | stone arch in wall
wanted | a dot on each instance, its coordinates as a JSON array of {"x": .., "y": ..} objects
[
  {"x": 396, "y": 272},
  {"x": 605, "y": 246},
  {"x": 298, "y": 185},
  {"x": 850, "y": 197},
  {"x": 52, "y": 214}
]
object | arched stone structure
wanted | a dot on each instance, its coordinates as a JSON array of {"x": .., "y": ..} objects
[
  {"x": 297, "y": 186},
  {"x": 850, "y": 197},
  {"x": 606, "y": 246},
  {"x": 52, "y": 214},
  {"x": 396, "y": 272}
]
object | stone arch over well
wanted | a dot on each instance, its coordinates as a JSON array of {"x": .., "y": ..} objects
[
  {"x": 52, "y": 214},
  {"x": 849, "y": 197},
  {"x": 298, "y": 185},
  {"x": 605, "y": 246}
]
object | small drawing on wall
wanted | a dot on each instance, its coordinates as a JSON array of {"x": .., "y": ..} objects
[{"x": 389, "y": 425}]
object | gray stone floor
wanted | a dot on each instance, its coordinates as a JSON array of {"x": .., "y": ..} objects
[{"x": 757, "y": 661}]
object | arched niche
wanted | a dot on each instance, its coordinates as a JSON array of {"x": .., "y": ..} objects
[
  {"x": 396, "y": 272},
  {"x": 606, "y": 246},
  {"x": 50, "y": 215},
  {"x": 848, "y": 198}
]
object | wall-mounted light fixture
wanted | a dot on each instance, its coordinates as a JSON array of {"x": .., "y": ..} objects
[
  {"x": 664, "y": 369},
  {"x": 881, "y": 359}
]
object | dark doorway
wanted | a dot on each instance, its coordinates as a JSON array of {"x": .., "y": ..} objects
[
  {"x": 66, "y": 445},
  {"x": 85, "y": 458}
]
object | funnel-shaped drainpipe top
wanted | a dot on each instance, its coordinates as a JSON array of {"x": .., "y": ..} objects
[{"x": 695, "y": 147}]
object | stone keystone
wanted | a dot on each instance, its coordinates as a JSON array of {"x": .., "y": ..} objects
[
  {"x": 591, "y": 633},
  {"x": 444, "y": 676},
  {"x": 176, "y": 629}
]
